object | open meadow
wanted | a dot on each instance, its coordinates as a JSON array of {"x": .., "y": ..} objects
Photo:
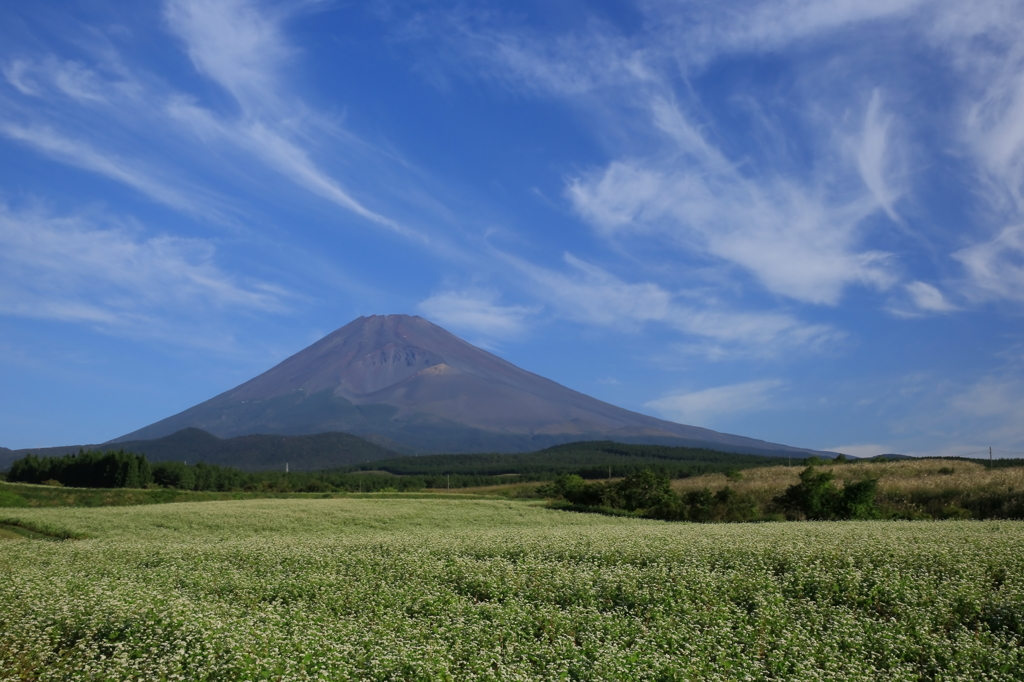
[{"x": 465, "y": 589}]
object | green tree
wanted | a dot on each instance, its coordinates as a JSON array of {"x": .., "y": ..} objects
[
  {"x": 643, "y": 490},
  {"x": 817, "y": 497}
]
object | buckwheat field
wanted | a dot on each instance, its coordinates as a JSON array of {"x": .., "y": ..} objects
[{"x": 421, "y": 589}]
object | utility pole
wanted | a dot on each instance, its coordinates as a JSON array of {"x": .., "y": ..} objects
[
  {"x": 449, "y": 481},
  {"x": 990, "y": 458}
]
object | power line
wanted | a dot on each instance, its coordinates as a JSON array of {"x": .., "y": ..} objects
[{"x": 976, "y": 452}]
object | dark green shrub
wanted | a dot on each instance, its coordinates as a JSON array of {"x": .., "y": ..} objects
[
  {"x": 642, "y": 490},
  {"x": 816, "y": 497}
]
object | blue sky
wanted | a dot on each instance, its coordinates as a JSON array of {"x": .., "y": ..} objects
[{"x": 800, "y": 221}]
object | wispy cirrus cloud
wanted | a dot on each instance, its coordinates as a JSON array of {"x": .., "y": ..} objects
[
  {"x": 130, "y": 172},
  {"x": 873, "y": 155},
  {"x": 767, "y": 25},
  {"x": 793, "y": 243},
  {"x": 478, "y": 312},
  {"x": 702, "y": 407},
  {"x": 995, "y": 267},
  {"x": 803, "y": 235},
  {"x": 670, "y": 179},
  {"x": 85, "y": 85},
  {"x": 241, "y": 46},
  {"x": 987, "y": 413},
  {"x": 993, "y": 127},
  {"x": 928, "y": 298},
  {"x": 590, "y": 294},
  {"x": 969, "y": 416},
  {"x": 92, "y": 269}
]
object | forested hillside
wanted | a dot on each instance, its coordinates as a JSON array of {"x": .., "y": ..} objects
[{"x": 589, "y": 459}]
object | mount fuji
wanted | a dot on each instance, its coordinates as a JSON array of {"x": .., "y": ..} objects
[{"x": 405, "y": 383}]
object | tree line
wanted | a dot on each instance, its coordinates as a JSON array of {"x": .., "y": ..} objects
[
  {"x": 587, "y": 459},
  {"x": 120, "y": 469},
  {"x": 86, "y": 469}
]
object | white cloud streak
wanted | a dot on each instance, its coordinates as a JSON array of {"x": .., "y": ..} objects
[
  {"x": 928, "y": 298},
  {"x": 239, "y": 45},
  {"x": 75, "y": 269},
  {"x": 701, "y": 408},
  {"x": 16, "y": 74},
  {"x": 872, "y": 155},
  {"x": 996, "y": 267},
  {"x": 767, "y": 25},
  {"x": 242, "y": 47},
  {"x": 800, "y": 237},
  {"x": 589, "y": 294},
  {"x": 791, "y": 241},
  {"x": 236, "y": 43},
  {"x": 994, "y": 129},
  {"x": 990, "y": 411},
  {"x": 128, "y": 172},
  {"x": 478, "y": 312}
]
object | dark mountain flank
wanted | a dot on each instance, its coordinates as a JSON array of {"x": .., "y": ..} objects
[
  {"x": 409, "y": 385},
  {"x": 7, "y": 458},
  {"x": 252, "y": 452},
  {"x": 260, "y": 451}
]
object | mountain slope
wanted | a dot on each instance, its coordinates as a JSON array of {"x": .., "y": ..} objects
[
  {"x": 7, "y": 458},
  {"x": 251, "y": 452},
  {"x": 408, "y": 384}
]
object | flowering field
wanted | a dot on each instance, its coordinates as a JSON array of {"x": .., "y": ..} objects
[{"x": 419, "y": 589}]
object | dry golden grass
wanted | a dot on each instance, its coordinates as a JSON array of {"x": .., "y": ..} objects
[
  {"x": 504, "y": 489},
  {"x": 896, "y": 478}
]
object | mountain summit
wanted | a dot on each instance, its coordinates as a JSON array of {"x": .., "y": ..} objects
[{"x": 404, "y": 382}]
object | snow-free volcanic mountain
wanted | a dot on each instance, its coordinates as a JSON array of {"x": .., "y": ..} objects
[{"x": 406, "y": 383}]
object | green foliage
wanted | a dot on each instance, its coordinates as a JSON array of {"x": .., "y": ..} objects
[
  {"x": 573, "y": 489},
  {"x": 9, "y": 498},
  {"x": 704, "y": 506},
  {"x": 640, "y": 491},
  {"x": 87, "y": 469},
  {"x": 650, "y": 494},
  {"x": 816, "y": 497}
]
